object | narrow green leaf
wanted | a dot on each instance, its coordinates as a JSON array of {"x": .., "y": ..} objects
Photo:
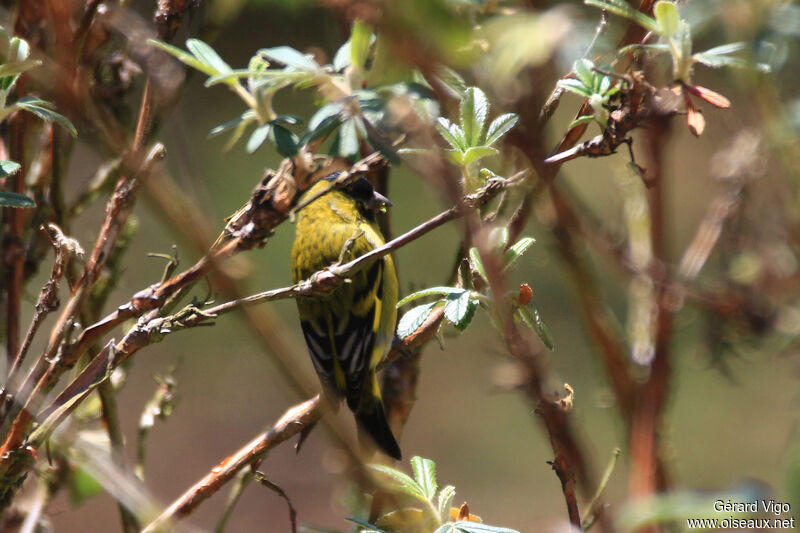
[
  {"x": 342, "y": 57},
  {"x": 583, "y": 119},
  {"x": 474, "y": 109},
  {"x": 290, "y": 120},
  {"x": 400, "y": 481},
  {"x": 433, "y": 291},
  {"x": 348, "y": 138},
  {"x": 238, "y": 132},
  {"x": 657, "y": 47},
  {"x": 476, "y": 153},
  {"x": 42, "y": 109},
  {"x": 208, "y": 56},
  {"x": 477, "y": 264},
  {"x": 624, "y": 10},
  {"x": 232, "y": 77},
  {"x": 667, "y": 17},
  {"x": 530, "y": 315},
  {"x": 18, "y": 49},
  {"x": 452, "y": 80},
  {"x": 257, "y": 138},
  {"x": 413, "y": 319},
  {"x": 518, "y": 248},
  {"x": 477, "y": 527},
  {"x": 8, "y": 167},
  {"x": 452, "y": 134},
  {"x": 445, "y": 501},
  {"x": 425, "y": 475},
  {"x": 290, "y": 57},
  {"x": 327, "y": 125},
  {"x": 370, "y": 528},
  {"x": 184, "y": 57},
  {"x": 500, "y": 126},
  {"x": 459, "y": 309},
  {"x": 583, "y": 70},
  {"x": 18, "y": 67},
  {"x": 13, "y": 199},
  {"x": 222, "y": 128},
  {"x": 574, "y": 86},
  {"x": 285, "y": 141},
  {"x": 332, "y": 109},
  {"x": 726, "y": 49},
  {"x": 360, "y": 40}
]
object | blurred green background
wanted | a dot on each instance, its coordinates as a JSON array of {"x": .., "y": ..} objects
[{"x": 721, "y": 430}]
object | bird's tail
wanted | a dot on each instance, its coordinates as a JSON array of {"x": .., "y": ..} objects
[{"x": 372, "y": 419}]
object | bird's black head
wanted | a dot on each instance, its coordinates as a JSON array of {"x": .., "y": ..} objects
[{"x": 368, "y": 200}]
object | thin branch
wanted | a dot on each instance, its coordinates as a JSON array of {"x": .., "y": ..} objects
[{"x": 293, "y": 421}]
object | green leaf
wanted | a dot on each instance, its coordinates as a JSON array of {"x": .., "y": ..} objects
[
  {"x": 474, "y": 108},
  {"x": 472, "y": 527},
  {"x": 18, "y": 67},
  {"x": 433, "y": 291},
  {"x": 453, "y": 134},
  {"x": 621, "y": 8},
  {"x": 500, "y": 126},
  {"x": 477, "y": 264},
  {"x": 285, "y": 141},
  {"x": 519, "y": 248},
  {"x": 183, "y": 56},
  {"x": 459, "y": 309},
  {"x": 232, "y": 77},
  {"x": 348, "y": 138},
  {"x": 18, "y": 52},
  {"x": 726, "y": 49},
  {"x": 42, "y": 109},
  {"x": 290, "y": 57},
  {"x": 530, "y": 315},
  {"x": 290, "y": 120},
  {"x": 207, "y": 56},
  {"x": 342, "y": 57},
  {"x": 18, "y": 49},
  {"x": 583, "y": 119},
  {"x": 413, "y": 319},
  {"x": 400, "y": 481},
  {"x": 360, "y": 40},
  {"x": 222, "y": 128},
  {"x": 13, "y": 199},
  {"x": 425, "y": 474},
  {"x": 583, "y": 70},
  {"x": 370, "y": 528},
  {"x": 258, "y": 137},
  {"x": 667, "y": 17},
  {"x": 445, "y": 501},
  {"x": 8, "y": 168},
  {"x": 574, "y": 86},
  {"x": 657, "y": 47},
  {"x": 452, "y": 80},
  {"x": 405, "y": 519},
  {"x": 83, "y": 486},
  {"x": 476, "y": 153}
]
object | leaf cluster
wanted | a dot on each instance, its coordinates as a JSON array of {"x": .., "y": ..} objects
[
  {"x": 16, "y": 60},
  {"x": 430, "y": 509},
  {"x": 461, "y": 303}
]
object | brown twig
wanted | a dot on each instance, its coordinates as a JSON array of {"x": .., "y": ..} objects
[
  {"x": 293, "y": 421},
  {"x": 48, "y": 296}
]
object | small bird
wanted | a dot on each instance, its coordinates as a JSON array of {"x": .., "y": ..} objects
[{"x": 349, "y": 330}]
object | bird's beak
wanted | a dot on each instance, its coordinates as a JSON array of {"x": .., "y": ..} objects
[{"x": 378, "y": 202}]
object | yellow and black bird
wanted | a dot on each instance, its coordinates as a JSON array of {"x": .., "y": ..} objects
[{"x": 350, "y": 330}]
